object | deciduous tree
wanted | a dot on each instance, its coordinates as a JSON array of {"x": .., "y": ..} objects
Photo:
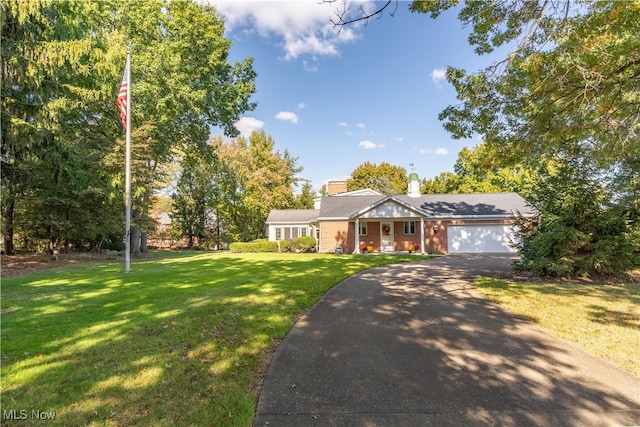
[
  {"x": 567, "y": 92},
  {"x": 62, "y": 65},
  {"x": 384, "y": 178}
]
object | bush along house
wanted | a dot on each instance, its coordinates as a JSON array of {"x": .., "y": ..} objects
[{"x": 367, "y": 221}]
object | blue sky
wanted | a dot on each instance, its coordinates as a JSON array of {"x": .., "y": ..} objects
[{"x": 338, "y": 99}]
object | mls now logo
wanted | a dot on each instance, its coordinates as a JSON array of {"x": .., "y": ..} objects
[{"x": 23, "y": 414}]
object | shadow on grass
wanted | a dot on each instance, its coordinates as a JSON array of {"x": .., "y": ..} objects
[{"x": 174, "y": 341}]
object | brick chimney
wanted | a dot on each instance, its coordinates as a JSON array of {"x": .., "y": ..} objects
[{"x": 336, "y": 187}]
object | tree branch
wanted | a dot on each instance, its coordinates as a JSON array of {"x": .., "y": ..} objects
[{"x": 342, "y": 18}]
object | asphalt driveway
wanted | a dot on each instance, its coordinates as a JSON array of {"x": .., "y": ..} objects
[{"x": 415, "y": 345}]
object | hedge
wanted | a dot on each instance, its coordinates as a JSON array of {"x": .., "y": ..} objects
[
  {"x": 305, "y": 244},
  {"x": 260, "y": 245}
]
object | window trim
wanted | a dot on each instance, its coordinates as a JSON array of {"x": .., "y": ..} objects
[
  {"x": 362, "y": 226},
  {"x": 409, "y": 228}
]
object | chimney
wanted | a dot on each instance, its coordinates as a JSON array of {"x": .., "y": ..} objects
[{"x": 336, "y": 187}]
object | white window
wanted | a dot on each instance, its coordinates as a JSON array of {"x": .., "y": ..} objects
[
  {"x": 303, "y": 231},
  {"x": 409, "y": 227},
  {"x": 362, "y": 228},
  {"x": 278, "y": 233}
]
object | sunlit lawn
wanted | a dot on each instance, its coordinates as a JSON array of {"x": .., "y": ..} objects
[
  {"x": 176, "y": 341},
  {"x": 601, "y": 319}
]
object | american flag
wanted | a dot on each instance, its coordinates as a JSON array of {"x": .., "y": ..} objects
[{"x": 122, "y": 99}]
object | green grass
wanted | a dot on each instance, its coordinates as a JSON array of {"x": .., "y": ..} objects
[
  {"x": 179, "y": 340},
  {"x": 601, "y": 319}
]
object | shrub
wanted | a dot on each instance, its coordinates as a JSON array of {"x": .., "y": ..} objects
[
  {"x": 285, "y": 245},
  {"x": 260, "y": 245},
  {"x": 305, "y": 244}
]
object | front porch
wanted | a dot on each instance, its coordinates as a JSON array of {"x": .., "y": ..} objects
[{"x": 389, "y": 236}]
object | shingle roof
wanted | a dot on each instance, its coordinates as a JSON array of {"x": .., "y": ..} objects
[
  {"x": 344, "y": 206},
  {"x": 470, "y": 205},
  {"x": 476, "y": 205},
  {"x": 435, "y": 205},
  {"x": 293, "y": 216}
]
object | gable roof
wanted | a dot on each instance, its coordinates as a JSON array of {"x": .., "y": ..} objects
[
  {"x": 389, "y": 202},
  {"x": 492, "y": 205},
  {"x": 437, "y": 206}
]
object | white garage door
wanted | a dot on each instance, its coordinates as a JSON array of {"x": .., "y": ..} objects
[{"x": 479, "y": 238}]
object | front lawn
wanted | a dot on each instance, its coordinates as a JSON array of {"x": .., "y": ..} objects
[
  {"x": 182, "y": 340},
  {"x": 601, "y": 319}
]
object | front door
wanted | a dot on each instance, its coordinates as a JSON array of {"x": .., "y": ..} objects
[{"x": 386, "y": 237}]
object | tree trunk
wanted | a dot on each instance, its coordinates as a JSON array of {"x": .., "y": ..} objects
[
  {"x": 7, "y": 228},
  {"x": 135, "y": 234},
  {"x": 144, "y": 237},
  {"x": 135, "y": 240}
]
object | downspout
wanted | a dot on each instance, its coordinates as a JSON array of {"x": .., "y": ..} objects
[
  {"x": 422, "y": 242},
  {"x": 357, "y": 236}
]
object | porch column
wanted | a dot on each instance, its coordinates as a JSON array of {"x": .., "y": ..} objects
[
  {"x": 357, "y": 237},
  {"x": 422, "y": 243}
]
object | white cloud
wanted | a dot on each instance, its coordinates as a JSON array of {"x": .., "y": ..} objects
[
  {"x": 311, "y": 66},
  {"x": 361, "y": 126},
  {"x": 439, "y": 75},
  {"x": 246, "y": 125},
  {"x": 367, "y": 145},
  {"x": 301, "y": 105},
  {"x": 343, "y": 124},
  {"x": 287, "y": 116},
  {"x": 301, "y": 27},
  {"x": 442, "y": 151}
]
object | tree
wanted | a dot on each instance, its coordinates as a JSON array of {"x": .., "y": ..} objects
[
  {"x": 185, "y": 84},
  {"x": 225, "y": 193},
  {"x": 446, "y": 182},
  {"x": 580, "y": 231},
  {"x": 195, "y": 195},
  {"x": 62, "y": 64},
  {"x": 54, "y": 101},
  {"x": 384, "y": 178},
  {"x": 566, "y": 92},
  {"x": 305, "y": 200},
  {"x": 270, "y": 178},
  {"x": 479, "y": 170}
]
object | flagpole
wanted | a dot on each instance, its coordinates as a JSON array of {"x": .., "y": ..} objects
[{"x": 127, "y": 210}]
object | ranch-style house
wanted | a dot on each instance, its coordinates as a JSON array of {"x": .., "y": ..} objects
[{"x": 353, "y": 221}]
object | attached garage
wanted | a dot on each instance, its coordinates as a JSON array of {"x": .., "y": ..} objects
[
  {"x": 480, "y": 238},
  {"x": 453, "y": 223}
]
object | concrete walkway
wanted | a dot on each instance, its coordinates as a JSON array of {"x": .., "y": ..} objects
[{"x": 416, "y": 345}]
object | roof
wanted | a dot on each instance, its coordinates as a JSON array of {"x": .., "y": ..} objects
[
  {"x": 441, "y": 206},
  {"x": 363, "y": 192},
  {"x": 293, "y": 216},
  {"x": 470, "y": 205},
  {"x": 433, "y": 205}
]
